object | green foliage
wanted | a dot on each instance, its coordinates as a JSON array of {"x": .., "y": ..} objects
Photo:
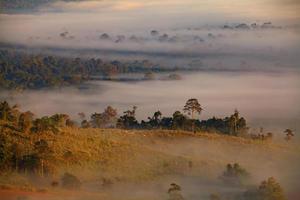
[
  {"x": 192, "y": 106},
  {"x": 8, "y": 113},
  {"x": 178, "y": 120},
  {"x": 25, "y": 121},
  {"x": 44, "y": 124},
  {"x": 106, "y": 119},
  {"x": 268, "y": 190},
  {"x": 5, "y": 153},
  {"x": 21, "y": 71},
  {"x": 128, "y": 120},
  {"x": 232, "y": 125}
]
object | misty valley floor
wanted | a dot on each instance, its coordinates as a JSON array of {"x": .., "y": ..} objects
[{"x": 130, "y": 164}]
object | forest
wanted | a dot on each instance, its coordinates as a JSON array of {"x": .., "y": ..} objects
[{"x": 30, "y": 71}]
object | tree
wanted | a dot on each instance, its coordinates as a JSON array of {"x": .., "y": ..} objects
[
  {"x": 43, "y": 152},
  {"x": 235, "y": 174},
  {"x": 154, "y": 33},
  {"x": 175, "y": 192},
  {"x": 155, "y": 120},
  {"x": 110, "y": 115},
  {"x": 69, "y": 157},
  {"x": 4, "y": 110},
  {"x": 149, "y": 76},
  {"x": 268, "y": 190},
  {"x": 85, "y": 124},
  {"x": 105, "y": 36},
  {"x": 44, "y": 124},
  {"x": 96, "y": 120},
  {"x": 25, "y": 121},
  {"x": 235, "y": 124},
  {"x": 174, "y": 76},
  {"x": 5, "y": 152},
  {"x": 179, "y": 120},
  {"x": 166, "y": 122},
  {"x": 16, "y": 150},
  {"x": 289, "y": 134},
  {"x": 60, "y": 120},
  {"x": 192, "y": 107},
  {"x": 106, "y": 119},
  {"x": 128, "y": 120},
  {"x": 70, "y": 181},
  {"x": 81, "y": 116},
  {"x": 236, "y": 118}
]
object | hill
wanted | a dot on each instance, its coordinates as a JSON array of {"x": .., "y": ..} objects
[{"x": 105, "y": 160}]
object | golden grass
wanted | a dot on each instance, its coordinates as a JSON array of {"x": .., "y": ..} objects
[{"x": 132, "y": 154}]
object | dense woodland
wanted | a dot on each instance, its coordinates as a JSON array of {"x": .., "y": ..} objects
[{"x": 20, "y": 70}]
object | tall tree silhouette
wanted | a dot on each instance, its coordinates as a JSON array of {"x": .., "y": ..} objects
[{"x": 192, "y": 107}]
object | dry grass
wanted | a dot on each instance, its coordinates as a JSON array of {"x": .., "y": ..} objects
[{"x": 137, "y": 156}]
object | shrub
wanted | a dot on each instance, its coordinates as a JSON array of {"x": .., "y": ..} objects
[
  {"x": 175, "y": 192},
  {"x": 268, "y": 190},
  {"x": 70, "y": 181},
  {"x": 235, "y": 174},
  {"x": 54, "y": 183}
]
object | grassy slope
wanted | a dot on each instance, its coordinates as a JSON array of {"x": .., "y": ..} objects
[{"x": 139, "y": 156}]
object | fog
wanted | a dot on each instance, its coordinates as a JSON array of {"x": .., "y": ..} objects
[
  {"x": 253, "y": 69},
  {"x": 209, "y": 158},
  {"x": 194, "y": 31},
  {"x": 265, "y": 99}
]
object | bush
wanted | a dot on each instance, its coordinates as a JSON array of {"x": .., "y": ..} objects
[
  {"x": 54, "y": 183},
  {"x": 268, "y": 190},
  {"x": 175, "y": 192},
  {"x": 70, "y": 181},
  {"x": 214, "y": 197},
  {"x": 235, "y": 174}
]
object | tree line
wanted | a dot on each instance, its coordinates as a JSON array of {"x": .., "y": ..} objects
[
  {"x": 22, "y": 70},
  {"x": 185, "y": 120}
]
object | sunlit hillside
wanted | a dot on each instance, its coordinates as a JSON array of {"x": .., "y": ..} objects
[{"x": 110, "y": 160}]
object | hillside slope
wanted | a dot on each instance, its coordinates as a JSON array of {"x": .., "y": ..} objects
[{"x": 142, "y": 160}]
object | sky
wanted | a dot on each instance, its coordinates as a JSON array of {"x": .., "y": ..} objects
[
  {"x": 195, "y": 11},
  {"x": 130, "y": 14},
  {"x": 238, "y": 49}
]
